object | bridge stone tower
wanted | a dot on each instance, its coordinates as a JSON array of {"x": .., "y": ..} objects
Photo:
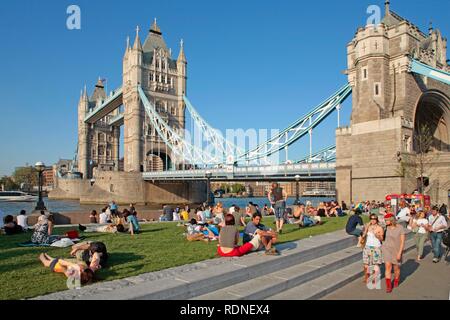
[
  {"x": 389, "y": 105},
  {"x": 98, "y": 144},
  {"x": 164, "y": 82}
]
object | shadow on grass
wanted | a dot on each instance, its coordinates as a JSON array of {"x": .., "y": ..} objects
[{"x": 119, "y": 258}]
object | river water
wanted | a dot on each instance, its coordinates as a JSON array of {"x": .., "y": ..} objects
[{"x": 14, "y": 208}]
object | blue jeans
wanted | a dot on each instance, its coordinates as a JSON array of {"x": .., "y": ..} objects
[
  {"x": 307, "y": 221},
  {"x": 280, "y": 208},
  {"x": 357, "y": 232},
  {"x": 436, "y": 240}
]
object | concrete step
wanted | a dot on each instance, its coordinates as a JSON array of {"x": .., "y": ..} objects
[
  {"x": 328, "y": 282},
  {"x": 204, "y": 277},
  {"x": 267, "y": 285}
]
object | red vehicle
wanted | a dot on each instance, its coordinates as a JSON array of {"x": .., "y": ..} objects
[{"x": 416, "y": 200}]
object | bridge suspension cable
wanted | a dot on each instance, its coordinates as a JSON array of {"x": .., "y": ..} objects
[
  {"x": 179, "y": 146},
  {"x": 327, "y": 154},
  {"x": 229, "y": 150},
  {"x": 299, "y": 128}
]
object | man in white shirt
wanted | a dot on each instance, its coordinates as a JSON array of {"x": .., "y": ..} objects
[
  {"x": 438, "y": 224},
  {"x": 103, "y": 218},
  {"x": 404, "y": 214},
  {"x": 22, "y": 220}
]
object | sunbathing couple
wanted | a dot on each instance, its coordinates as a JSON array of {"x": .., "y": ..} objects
[{"x": 88, "y": 258}]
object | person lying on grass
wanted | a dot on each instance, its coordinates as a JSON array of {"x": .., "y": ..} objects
[
  {"x": 109, "y": 228},
  {"x": 197, "y": 232},
  {"x": 94, "y": 254},
  {"x": 70, "y": 269}
]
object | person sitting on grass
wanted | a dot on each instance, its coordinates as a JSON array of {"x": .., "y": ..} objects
[
  {"x": 299, "y": 217},
  {"x": 93, "y": 254},
  {"x": 93, "y": 217},
  {"x": 10, "y": 226},
  {"x": 22, "y": 220},
  {"x": 184, "y": 215},
  {"x": 43, "y": 231},
  {"x": 229, "y": 239},
  {"x": 133, "y": 221},
  {"x": 260, "y": 236},
  {"x": 197, "y": 232},
  {"x": 70, "y": 269}
]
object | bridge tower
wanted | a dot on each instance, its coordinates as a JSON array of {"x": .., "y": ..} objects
[
  {"x": 83, "y": 134},
  {"x": 98, "y": 144},
  {"x": 389, "y": 105},
  {"x": 164, "y": 82}
]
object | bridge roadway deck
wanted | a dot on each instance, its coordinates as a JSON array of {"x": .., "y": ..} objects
[{"x": 307, "y": 171}]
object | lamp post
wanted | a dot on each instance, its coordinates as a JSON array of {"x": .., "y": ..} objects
[
  {"x": 297, "y": 191},
  {"x": 208, "y": 175},
  {"x": 40, "y": 167}
]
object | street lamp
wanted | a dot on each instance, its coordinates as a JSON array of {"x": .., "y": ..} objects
[
  {"x": 40, "y": 167},
  {"x": 208, "y": 175},
  {"x": 297, "y": 191}
]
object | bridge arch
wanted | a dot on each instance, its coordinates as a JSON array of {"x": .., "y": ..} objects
[
  {"x": 433, "y": 110},
  {"x": 157, "y": 161}
]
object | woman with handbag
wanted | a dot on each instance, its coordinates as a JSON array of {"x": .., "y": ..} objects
[
  {"x": 372, "y": 255},
  {"x": 420, "y": 227},
  {"x": 392, "y": 249}
]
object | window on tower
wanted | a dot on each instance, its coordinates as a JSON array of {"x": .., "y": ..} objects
[{"x": 365, "y": 73}]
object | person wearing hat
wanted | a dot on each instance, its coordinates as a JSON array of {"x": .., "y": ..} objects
[
  {"x": 438, "y": 224},
  {"x": 392, "y": 250}
]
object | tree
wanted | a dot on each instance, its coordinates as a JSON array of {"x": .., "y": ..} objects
[
  {"x": 8, "y": 183},
  {"x": 26, "y": 175},
  {"x": 418, "y": 165}
]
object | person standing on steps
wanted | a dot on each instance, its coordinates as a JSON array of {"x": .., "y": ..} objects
[
  {"x": 278, "y": 197},
  {"x": 392, "y": 250}
]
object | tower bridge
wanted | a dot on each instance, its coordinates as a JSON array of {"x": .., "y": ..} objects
[{"x": 398, "y": 77}]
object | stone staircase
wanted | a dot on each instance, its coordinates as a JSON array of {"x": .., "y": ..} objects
[{"x": 306, "y": 269}]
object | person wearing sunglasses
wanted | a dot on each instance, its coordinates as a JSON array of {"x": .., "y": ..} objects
[{"x": 372, "y": 254}]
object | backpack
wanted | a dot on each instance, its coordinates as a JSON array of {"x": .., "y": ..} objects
[{"x": 446, "y": 238}]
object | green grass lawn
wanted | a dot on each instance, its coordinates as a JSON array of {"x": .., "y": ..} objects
[{"x": 159, "y": 246}]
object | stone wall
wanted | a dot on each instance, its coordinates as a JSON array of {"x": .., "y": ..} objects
[
  {"x": 69, "y": 189},
  {"x": 175, "y": 192}
]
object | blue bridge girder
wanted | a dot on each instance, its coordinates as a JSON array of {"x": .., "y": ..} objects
[
  {"x": 324, "y": 171},
  {"x": 114, "y": 101}
]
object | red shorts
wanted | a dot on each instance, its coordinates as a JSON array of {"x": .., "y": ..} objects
[{"x": 237, "y": 252}]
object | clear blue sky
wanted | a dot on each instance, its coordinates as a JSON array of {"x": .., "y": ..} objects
[{"x": 252, "y": 64}]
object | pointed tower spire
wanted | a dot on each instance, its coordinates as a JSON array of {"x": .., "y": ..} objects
[
  {"x": 430, "y": 28},
  {"x": 386, "y": 7},
  {"x": 137, "y": 41},
  {"x": 155, "y": 28},
  {"x": 181, "y": 56},
  {"x": 128, "y": 43}
]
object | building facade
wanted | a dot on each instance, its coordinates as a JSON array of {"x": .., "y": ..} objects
[{"x": 390, "y": 104}]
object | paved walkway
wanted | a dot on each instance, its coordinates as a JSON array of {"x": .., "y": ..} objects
[{"x": 424, "y": 281}]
